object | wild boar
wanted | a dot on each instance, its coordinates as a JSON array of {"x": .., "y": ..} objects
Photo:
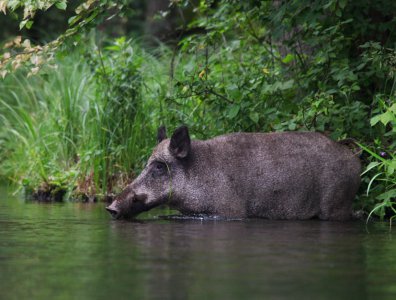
[{"x": 279, "y": 175}]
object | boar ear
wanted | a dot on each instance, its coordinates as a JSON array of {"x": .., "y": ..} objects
[
  {"x": 180, "y": 142},
  {"x": 161, "y": 134}
]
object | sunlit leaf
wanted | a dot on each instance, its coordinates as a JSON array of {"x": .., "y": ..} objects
[
  {"x": 233, "y": 111},
  {"x": 61, "y": 5},
  {"x": 254, "y": 116},
  {"x": 386, "y": 117},
  {"x": 375, "y": 120},
  {"x": 288, "y": 58}
]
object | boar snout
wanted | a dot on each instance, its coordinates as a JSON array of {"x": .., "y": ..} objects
[
  {"x": 113, "y": 210},
  {"x": 128, "y": 204}
]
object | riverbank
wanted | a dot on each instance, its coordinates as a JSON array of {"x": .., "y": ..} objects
[{"x": 85, "y": 123}]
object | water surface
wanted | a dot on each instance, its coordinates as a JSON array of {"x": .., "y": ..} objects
[{"x": 75, "y": 251}]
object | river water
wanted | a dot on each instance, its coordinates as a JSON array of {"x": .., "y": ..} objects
[{"x": 75, "y": 251}]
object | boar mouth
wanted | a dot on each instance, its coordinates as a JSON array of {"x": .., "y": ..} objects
[
  {"x": 129, "y": 208},
  {"x": 115, "y": 214}
]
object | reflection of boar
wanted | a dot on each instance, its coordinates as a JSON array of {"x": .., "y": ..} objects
[{"x": 287, "y": 175}]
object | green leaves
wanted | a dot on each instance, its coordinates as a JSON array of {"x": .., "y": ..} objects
[
  {"x": 382, "y": 182},
  {"x": 278, "y": 86},
  {"x": 288, "y": 58},
  {"x": 88, "y": 14},
  {"x": 30, "y": 8},
  {"x": 389, "y": 116},
  {"x": 25, "y": 23},
  {"x": 384, "y": 118},
  {"x": 233, "y": 111},
  {"x": 254, "y": 116},
  {"x": 61, "y": 5}
]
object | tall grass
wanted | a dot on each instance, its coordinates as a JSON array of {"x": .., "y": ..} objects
[
  {"x": 77, "y": 127},
  {"x": 42, "y": 118},
  {"x": 382, "y": 184}
]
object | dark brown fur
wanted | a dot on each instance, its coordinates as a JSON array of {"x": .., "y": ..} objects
[{"x": 288, "y": 175}]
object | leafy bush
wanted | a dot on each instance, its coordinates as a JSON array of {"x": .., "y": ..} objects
[
  {"x": 295, "y": 65},
  {"x": 276, "y": 66}
]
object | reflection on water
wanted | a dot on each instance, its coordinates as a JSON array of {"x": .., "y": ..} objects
[{"x": 74, "y": 251}]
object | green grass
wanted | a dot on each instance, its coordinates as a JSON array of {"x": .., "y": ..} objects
[
  {"x": 60, "y": 128},
  {"x": 42, "y": 123},
  {"x": 382, "y": 184}
]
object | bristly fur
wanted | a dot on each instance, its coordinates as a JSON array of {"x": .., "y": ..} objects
[{"x": 284, "y": 175}]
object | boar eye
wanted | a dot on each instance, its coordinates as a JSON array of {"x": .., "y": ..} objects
[{"x": 159, "y": 168}]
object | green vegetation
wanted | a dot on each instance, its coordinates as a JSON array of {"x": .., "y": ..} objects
[
  {"x": 87, "y": 126},
  {"x": 82, "y": 127}
]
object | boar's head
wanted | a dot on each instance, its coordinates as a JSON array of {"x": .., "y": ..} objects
[{"x": 153, "y": 186}]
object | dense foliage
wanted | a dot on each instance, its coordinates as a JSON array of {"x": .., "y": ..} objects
[{"x": 325, "y": 65}]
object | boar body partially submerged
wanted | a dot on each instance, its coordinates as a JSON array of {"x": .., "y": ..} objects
[{"x": 288, "y": 175}]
